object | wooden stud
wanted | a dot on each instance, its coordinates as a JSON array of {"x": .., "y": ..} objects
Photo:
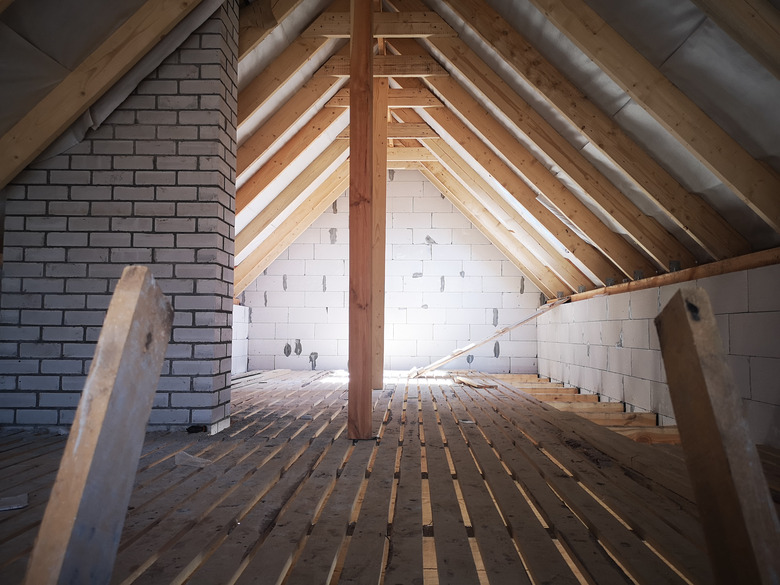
[
  {"x": 379, "y": 210},
  {"x": 740, "y": 525},
  {"x": 86, "y": 83},
  {"x": 361, "y": 221},
  {"x": 79, "y": 535}
]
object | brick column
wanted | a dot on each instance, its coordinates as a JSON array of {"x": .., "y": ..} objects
[{"x": 154, "y": 185}]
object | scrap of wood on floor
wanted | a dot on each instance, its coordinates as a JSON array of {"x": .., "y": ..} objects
[{"x": 463, "y": 485}]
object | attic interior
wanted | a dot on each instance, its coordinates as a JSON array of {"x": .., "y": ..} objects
[{"x": 537, "y": 150}]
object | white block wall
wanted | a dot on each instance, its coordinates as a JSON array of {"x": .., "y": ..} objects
[
  {"x": 446, "y": 286},
  {"x": 240, "y": 342},
  {"x": 608, "y": 345}
]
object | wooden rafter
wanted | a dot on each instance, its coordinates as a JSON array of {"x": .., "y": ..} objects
[
  {"x": 592, "y": 258},
  {"x": 498, "y": 234},
  {"x": 257, "y": 19},
  {"x": 262, "y": 87},
  {"x": 87, "y": 82},
  {"x": 526, "y": 235},
  {"x": 645, "y": 231},
  {"x": 289, "y": 229},
  {"x": 289, "y": 194},
  {"x": 283, "y": 157},
  {"x": 754, "y": 24},
  {"x": 708, "y": 228},
  {"x": 386, "y": 25},
  {"x": 752, "y": 181},
  {"x": 287, "y": 115}
]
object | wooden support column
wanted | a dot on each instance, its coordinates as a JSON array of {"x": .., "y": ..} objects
[
  {"x": 740, "y": 525},
  {"x": 378, "y": 243},
  {"x": 79, "y": 535},
  {"x": 361, "y": 220}
]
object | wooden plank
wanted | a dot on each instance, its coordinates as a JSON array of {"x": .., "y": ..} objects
[
  {"x": 409, "y": 153},
  {"x": 541, "y": 557},
  {"x": 706, "y": 226},
  {"x": 387, "y": 66},
  {"x": 755, "y": 183},
  {"x": 379, "y": 237},
  {"x": 654, "y": 435},
  {"x": 317, "y": 560},
  {"x": 272, "y": 131},
  {"x": 386, "y": 25},
  {"x": 87, "y": 82},
  {"x": 501, "y": 560},
  {"x": 405, "y": 550},
  {"x": 80, "y": 530},
  {"x": 740, "y": 526},
  {"x": 454, "y": 560},
  {"x": 361, "y": 221},
  {"x": 365, "y": 557}
]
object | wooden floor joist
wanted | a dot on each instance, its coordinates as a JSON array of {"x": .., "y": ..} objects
[{"x": 463, "y": 485}]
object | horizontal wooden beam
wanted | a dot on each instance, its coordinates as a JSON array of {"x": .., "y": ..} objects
[
  {"x": 49, "y": 118},
  {"x": 746, "y": 262},
  {"x": 397, "y": 98},
  {"x": 409, "y": 153},
  {"x": 387, "y": 66},
  {"x": 402, "y": 131},
  {"x": 386, "y": 25}
]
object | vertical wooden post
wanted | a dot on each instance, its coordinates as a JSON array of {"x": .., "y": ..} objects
[
  {"x": 740, "y": 525},
  {"x": 79, "y": 535},
  {"x": 361, "y": 219},
  {"x": 378, "y": 244}
]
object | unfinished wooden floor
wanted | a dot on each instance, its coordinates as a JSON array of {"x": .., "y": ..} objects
[{"x": 463, "y": 485}]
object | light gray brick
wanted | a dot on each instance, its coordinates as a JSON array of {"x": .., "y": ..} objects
[
  {"x": 87, "y": 285},
  {"x": 136, "y": 132},
  {"x": 133, "y": 162},
  {"x": 36, "y": 417},
  {"x": 46, "y": 224},
  {"x": 64, "y": 301},
  {"x": 59, "y": 399},
  {"x": 178, "y": 132},
  {"x": 91, "y": 193},
  {"x": 63, "y": 333},
  {"x": 153, "y": 240},
  {"x": 66, "y": 239},
  {"x": 156, "y": 147},
  {"x": 18, "y": 399},
  {"x": 70, "y": 177},
  {"x": 132, "y": 224},
  {"x": 176, "y": 71},
  {"x": 155, "y": 209},
  {"x": 91, "y": 162},
  {"x": 113, "y": 147},
  {"x": 18, "y": 269},
  {"x": 88, "y": 224},
  {"x": 116, "y": 177},
  {"x": 131, "y": 255},
  {"x": 61, "y": 366}
]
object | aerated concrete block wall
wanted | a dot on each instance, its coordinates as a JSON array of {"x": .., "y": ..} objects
[
  {"x": 154, "y": 185},
  {"x": 608, "y": 345},
  {"x": 446, "y": 286}
]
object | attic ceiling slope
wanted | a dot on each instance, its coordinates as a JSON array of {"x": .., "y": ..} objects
[{"x": 628, "y": 219}]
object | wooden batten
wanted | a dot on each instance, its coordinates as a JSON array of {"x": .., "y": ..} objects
[
  {"x": 379, "y": 210},
  {"x": 361, "y": 221}
]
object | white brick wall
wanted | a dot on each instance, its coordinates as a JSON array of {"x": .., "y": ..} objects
[
  {"x": 609, "y": 345},
  {"x": 430, "y": 245},
  {"x": 153, "y": 185}
]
